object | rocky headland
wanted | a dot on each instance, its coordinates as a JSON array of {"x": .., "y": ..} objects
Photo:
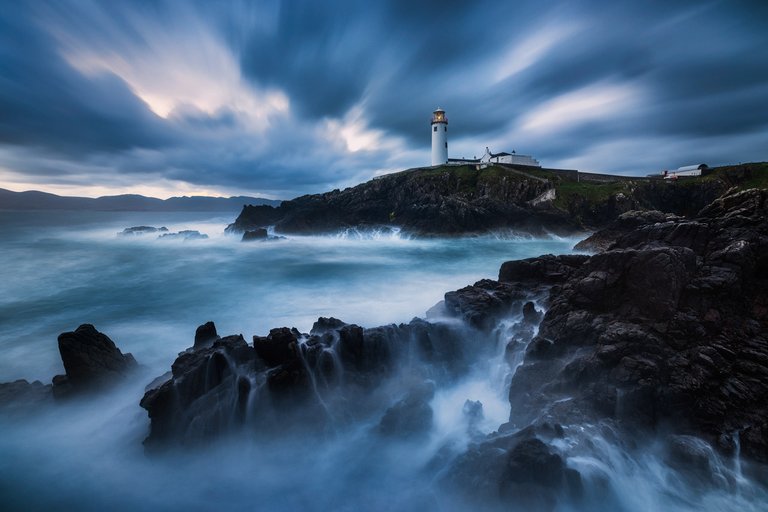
[{"x": 460, "y": 200}]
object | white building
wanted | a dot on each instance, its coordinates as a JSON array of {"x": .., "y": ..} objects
[
  {"x": 684, "y": 171},
  {"x": 508, "y": 158},
  {"x": 439, "y": 126}
]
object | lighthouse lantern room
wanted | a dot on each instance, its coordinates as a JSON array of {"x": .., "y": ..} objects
[{"x": 439, "y": 137}]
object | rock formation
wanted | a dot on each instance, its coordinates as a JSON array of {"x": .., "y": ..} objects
[{"x": 91, "y": 360}]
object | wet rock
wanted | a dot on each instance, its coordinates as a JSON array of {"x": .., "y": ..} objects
[
  {"x": 255, "y": 234},
  {"x": 411, "y": 416},
  {"x": 666, "y": 327},
  {"x": 204, "y": 394},
  {"x": 141, "y": 230},
  {"x": 187, "y": 234},
  {"x": 517, "y": 472},
  {"x": 530, "y": 315},
  {"x": 279, "y": 347},
  {"x": 22, "y": 396},
  {"x": 206, "y": 335},
  {"x": 91, "y": 360},
  {"x": 696, "y": 461},
  {"x": 324, "y": 325},
  {"x": 547, "y": 269},
  {"x": 484, "y": 303}
]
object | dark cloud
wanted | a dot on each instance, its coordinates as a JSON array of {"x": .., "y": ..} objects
[
  {"x": 47, "y": 104},
  {"x": 689, "y": 76}
]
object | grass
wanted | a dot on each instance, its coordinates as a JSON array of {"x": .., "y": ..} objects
[
  {"x": 743, "y": 176},
  {"x": 591, "y": 192}
]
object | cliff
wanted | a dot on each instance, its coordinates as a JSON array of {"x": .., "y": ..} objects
[{"x": 456, "y": 200}]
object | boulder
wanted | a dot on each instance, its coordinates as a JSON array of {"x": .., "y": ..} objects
[
  {"x": 206, "y": 335},
  {"x": 90, "y": 360}
]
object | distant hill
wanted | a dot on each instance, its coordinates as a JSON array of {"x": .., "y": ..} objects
[
  {"x": 457, "y": 200},
  {"x": 34, "y": 200}
]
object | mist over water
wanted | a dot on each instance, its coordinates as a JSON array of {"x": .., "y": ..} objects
[{"x": 63, "y": 269}]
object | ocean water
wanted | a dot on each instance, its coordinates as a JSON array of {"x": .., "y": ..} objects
[{"x": 61, "y": 269}]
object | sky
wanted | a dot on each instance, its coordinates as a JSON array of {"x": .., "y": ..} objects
[{"x": 282, "y": 98}]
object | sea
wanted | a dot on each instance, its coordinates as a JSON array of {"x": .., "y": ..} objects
[{"x": 60, "y": 269}]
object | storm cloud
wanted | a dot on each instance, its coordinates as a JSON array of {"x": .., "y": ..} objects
[{"x": 283, "y": 98}]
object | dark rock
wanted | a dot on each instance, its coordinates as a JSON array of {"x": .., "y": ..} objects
[
  {"x": 203, "y": 396},
  {"x": 187, "y": 234},
  {"x": 90, "y": 360},
  {"x": 696, "y": 460},
  {"x": 519, "y": 470},
  {"x": 530, "y": 315},
  {"x": 140, "y": 230},
  {"x": 206, "y": 335},
  {"x": 666, "y": 327},
  {"x": 484, "y": 303},
  {"x": 324, "y": 325},
  {"x": 546, "y": 269},
  {"x": 411, "y": 416},
  {"x": 279, "y": 347},
  {"x": 23, "y": 396},
  {"x": 255, "y": 234}
]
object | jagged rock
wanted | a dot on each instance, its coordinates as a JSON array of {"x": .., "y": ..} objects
[
  {"x": 411, "y": 416},
  {"x": 207, "y": 390},
  {"x": 483, "y": 303},
  {"x": 280, "y": 346},
  {"x": 519, "y": 470},
  {"x": 90, "y": 360},
  {"x": 323, "y": 325},
  {"x": 667, "y": 326},
  {"x": 206, "y": 335},
  {"x": 543, "y": 270}
]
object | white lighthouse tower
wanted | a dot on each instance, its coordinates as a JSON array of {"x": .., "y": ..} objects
[{"x": 439, "y": 137}]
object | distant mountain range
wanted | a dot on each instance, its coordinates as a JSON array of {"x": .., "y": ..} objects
[{"x": 34, "y": 200}]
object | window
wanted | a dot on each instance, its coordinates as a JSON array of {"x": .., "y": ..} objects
[
  {"x": 446, "y": 128},
  {"x": 434, "y": 128},
  {"x": 446, "y": 145}
]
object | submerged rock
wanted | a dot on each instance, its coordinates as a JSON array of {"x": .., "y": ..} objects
[
  {"x": 91, "y": 360},
  {"x": 187, "y": 234},
  {"x": 141, "y": 230},
  {"x": 23, "y": 396},
  {"x": 410, "y": 416}
]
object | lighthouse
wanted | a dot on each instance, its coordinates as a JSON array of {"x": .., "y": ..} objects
[{"x": 439, "y": 137}]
